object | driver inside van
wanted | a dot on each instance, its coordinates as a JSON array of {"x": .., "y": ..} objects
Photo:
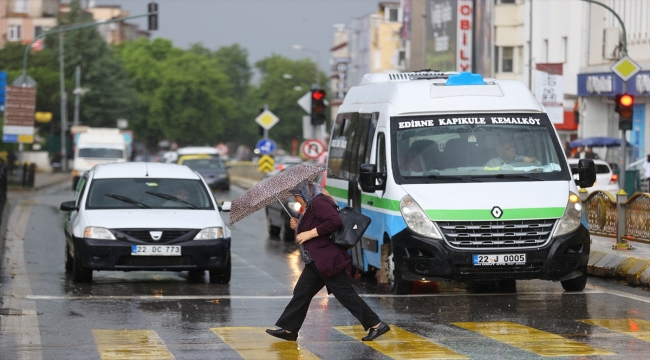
[{"x": 507, "y": 156}]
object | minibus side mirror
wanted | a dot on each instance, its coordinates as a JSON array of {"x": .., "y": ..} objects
[
  {"x": 69, "y": 206},
  {"x": 585, "y": 174},
  {"x": 370, "y": 180}
]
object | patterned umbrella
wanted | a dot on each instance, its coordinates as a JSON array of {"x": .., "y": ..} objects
[{"x": 272, "y": 189}]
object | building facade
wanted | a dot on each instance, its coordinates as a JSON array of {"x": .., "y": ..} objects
[{"x": 22, "y": 20}]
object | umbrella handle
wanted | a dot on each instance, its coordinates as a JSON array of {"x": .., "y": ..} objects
[{"x": 285, "y": 209}]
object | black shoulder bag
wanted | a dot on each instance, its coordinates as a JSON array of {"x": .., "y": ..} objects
[{"x": 354, "y": 225}]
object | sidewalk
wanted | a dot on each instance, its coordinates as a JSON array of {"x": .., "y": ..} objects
[
  {"x": 631, "y": 266},
  {"x": 43, "y": 180}
]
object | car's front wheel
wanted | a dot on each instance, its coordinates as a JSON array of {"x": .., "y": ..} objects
[
  {"x": 575, "y": 284},
  {"x": 81, "y": 274},
  {"x": 221, "y": 276},
  {"x": 273, "y": 230},
  {"x": 286, "y": 233},
  {"x": 69, "y": 261},
  {"x": 398, "y": 285}
]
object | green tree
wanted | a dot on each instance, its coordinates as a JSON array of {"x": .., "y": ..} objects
[
  {"x": 282, "y": 93},
  {"x": 111, "y": 95}
]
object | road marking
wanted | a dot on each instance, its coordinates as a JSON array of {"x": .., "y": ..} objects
[
  {"x": 130, "y": 344},
  {"x": 255, "y": 343},
  {"x": 620, "y": 293},
  {"x": 401, "y": 344},
  {"x": 637, "y": 328},
  {"x": 24, "y": 328},
  {"x": 288, "y": 296},
  {"x": 530, "y": 339}
]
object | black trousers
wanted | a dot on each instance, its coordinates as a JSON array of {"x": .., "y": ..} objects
[{"x": 309, "y": 284}]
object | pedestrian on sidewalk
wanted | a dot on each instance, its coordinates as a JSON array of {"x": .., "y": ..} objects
[
  {"x": 646, "y": 170},
  {"x": 326, "y": 264}
]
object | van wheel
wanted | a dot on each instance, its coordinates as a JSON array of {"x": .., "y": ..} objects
[
  {"x": 69, "y": 261},
  {"x": 273, "y": 230},
  {"x": 221, "y": 276},
  {"x": 81, "y": 274},
  {"x": 575, "y": 284},
  {"x": 398, "y": 285},
  {"x": 285, "y": 233}
]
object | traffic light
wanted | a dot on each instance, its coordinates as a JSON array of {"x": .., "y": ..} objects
[
  {"x": 153, "y": 16},
  {"x": 625, "y": 109},
  {"x": 317, "y": 107}
]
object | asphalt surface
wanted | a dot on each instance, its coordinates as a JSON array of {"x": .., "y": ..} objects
[{"x": 166, "y": 315}]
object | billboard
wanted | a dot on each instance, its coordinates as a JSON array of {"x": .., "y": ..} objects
[
  {"x": 549, "y": 90},
  {"x": 449, "y": 35}
]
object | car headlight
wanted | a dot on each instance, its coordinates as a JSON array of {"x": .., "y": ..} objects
[
  {"x": 572, "y": 216},
  {"x": 210, "y": 233},
  {"x": 295, "y": 206},
  {"x": 98, "y": 233},
  {"x": 417, "y": 220}
]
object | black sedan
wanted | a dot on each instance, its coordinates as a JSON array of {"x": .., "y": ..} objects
[
  {"x": 212, "y": 169},
  {"x": 277, "y": 219}
]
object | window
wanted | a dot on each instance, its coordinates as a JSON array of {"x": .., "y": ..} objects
[
  {"x": 38, "y": 30},
  {"x": 498, "y": 2},
  {"x": 392, "y": 14},
  {"x": 15, "y": 33},
  {"x": 504, "y": 59},
  {"x": 20, "y": 6},
  {"x": 545, "y": 50},
  {"x": 102, "y": 153},
  {"x": 565, "y": 48}
]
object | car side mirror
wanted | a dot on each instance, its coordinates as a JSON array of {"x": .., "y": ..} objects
[
  {"x": 370, "y": 180},
  {"x": 69, "y": 206},
  {"x": 585, "y": 174},
  {"x": 225, "y": 206}
]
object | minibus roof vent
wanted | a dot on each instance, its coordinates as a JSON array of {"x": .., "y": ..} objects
[{"x": 420, "y": 75}]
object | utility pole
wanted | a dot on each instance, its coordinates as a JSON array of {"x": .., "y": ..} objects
[
  {"x": 77, "y": 94},
  {"x": 64, "y": 103}
]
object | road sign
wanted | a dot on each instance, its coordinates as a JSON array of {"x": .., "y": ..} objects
[
  {"x": 625, "y": 68},
  {"x": 267, "y": 119},
  {"x": 312, "y": 148},
  {"x": 305, "y": 102},
  {"x": 3, "y": 85},
  {"x": 21, "y": 103},
  {"x": 266, "y": 146},
  {"x": 222, "y": 149},
  {"x": 265, "y": 164}
]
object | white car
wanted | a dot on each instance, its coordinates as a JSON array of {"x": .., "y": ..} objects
[
  {"x": 145, "y": 216},
  {"x": 606, "y": 180}
]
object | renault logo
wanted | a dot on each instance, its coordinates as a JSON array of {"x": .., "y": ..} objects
[
  {"x": 496, "y": 212},
  {"x": 156, "y": 235}
]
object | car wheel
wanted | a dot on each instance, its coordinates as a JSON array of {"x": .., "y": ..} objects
[
  {"x": 69, "y": 261},
  {"x": 273, "y": 230},
  {"x": 398, "y": 285},
  {"x": 81, "y": 274},
  {"x": 286, "y": 233},
  {"x": 575, "y": 284},
  {"x": 221, "y": 276}
]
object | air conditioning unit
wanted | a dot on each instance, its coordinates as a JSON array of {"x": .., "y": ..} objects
[{"x": 611, "y": 43}]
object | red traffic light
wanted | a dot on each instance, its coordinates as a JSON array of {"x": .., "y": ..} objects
[
  {"x": 318, "y": 94},
  {"x": 626, "y": 100}
]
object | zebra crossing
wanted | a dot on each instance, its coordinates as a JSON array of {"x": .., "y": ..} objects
[{"x": 252, "y": 343}]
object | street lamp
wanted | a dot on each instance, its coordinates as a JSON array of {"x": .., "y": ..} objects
[{"x": 301, "y": 48}]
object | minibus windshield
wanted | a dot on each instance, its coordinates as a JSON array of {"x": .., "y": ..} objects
[{"x": 476, "y": 147}]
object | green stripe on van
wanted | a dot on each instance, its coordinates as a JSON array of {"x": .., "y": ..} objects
[
  {"x": 508, "y": 214},
  {"x": 387, "y": 204},
  {"x": 337, "y": 192}
]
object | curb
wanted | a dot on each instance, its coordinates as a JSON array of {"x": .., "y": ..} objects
[{"x": 632, "y": 270}]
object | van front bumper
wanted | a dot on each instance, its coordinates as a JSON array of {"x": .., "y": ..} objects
[
  {"x": 419, "y": 258},
  {"x": 116, "y": 255}
]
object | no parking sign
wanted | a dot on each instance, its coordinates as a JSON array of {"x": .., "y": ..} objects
[{"x": 312, "y": 148}]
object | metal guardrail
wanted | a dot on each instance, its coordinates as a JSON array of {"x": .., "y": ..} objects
[
  {"x": 22, "y": 175},
  {"x": 603, "y": 213},
  {"x": 245, "y": 169}
]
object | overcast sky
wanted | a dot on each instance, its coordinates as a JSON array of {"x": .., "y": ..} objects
[{"x": 263, "y": 27}]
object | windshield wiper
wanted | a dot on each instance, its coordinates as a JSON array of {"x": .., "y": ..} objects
[
  {"x": 172, "y": 198},
  {"x": 439, "y": 177},
  {"x": 508, "y": 176},
  {"x": 128, "y": 200}
]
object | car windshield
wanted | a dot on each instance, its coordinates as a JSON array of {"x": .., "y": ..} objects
[
  {"x": 103, "y": 153},
  {"x": 203, "y": 164},
  {"x": 144, "y": 193},
  {"x": 488, "y": 147}
]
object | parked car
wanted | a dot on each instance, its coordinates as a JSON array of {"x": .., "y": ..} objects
[
  {"x": 606, "y": 180},
  {"x": 212, "y": 169},
  {"x": 277, "y": 219},
  {"x": 145, "y": 216},
  {"x": 286, "y": 162}
]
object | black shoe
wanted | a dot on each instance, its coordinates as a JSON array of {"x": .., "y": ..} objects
[
  {"x": 284, "y": 334},
  {"x": 375, "y": 333}
]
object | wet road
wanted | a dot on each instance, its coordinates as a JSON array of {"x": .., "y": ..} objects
[{"x": 165, "y": 315}]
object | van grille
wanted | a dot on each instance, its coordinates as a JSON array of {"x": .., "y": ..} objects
[{"x": 497, "y": 234}]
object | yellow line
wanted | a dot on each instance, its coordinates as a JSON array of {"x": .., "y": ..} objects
[
  {"x": 255, "y": 343},
  {"x": 637, "y": 328},
  {"x": 130, "y": 344},
  {"x": 533, "y": 340},
  {"x": 401, "y": 344}
]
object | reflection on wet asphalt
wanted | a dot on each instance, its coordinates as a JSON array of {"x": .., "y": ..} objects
[{"x": 147, "y": 315}]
